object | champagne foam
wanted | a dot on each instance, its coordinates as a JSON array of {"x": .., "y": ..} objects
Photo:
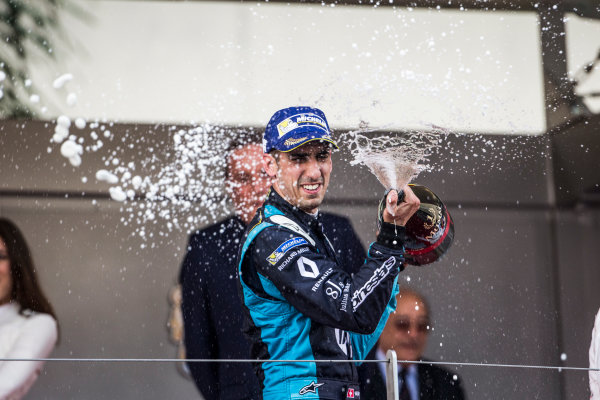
[{"x": 394, "y": 158}]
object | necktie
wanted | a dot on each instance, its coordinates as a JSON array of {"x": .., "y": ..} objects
[{"x": 404, "y": 394}]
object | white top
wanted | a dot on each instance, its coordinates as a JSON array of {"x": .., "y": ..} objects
[
  {"x": 595, "y": 360},
  {"x": 21, "y": 336}
]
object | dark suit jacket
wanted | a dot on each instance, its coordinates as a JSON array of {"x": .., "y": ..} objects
[
  {"x": 212, "y": 309},
  {"x": 435, "y": 383}
]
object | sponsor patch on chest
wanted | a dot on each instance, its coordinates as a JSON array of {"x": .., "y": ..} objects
[
  {"x": 283, "y": 248},
  {"x": 291, "y": 256}
]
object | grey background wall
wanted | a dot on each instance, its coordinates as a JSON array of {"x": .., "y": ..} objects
[{"x": 517, "y": 287}]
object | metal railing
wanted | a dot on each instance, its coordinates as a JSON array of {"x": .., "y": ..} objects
[{"x": 391, "y": 365}]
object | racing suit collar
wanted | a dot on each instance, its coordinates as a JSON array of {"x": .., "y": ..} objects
[{"x": 315, "y": 225}]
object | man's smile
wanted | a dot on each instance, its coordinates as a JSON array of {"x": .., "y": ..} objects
[{"x": 312, "y": 187}]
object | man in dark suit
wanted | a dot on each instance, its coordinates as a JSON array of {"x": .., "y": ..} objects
[
  {"x": 406, "y": 332},
  {"x": 211, "y": 307}
]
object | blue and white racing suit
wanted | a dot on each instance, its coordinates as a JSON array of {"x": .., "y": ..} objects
[{"x": 301, "y": 305}]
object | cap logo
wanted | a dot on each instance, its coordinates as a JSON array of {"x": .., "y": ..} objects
[
  {"x": 285, "y": 126},
  {"x": 291, "y": 142},
  {"x": 295, "y": 121}
]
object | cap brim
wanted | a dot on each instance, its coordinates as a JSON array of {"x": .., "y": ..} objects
[{"x": 335, "y": 146}]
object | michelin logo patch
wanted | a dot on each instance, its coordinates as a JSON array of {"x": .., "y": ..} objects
[
  {"x": 283, "y": 248},
  {"x": 298, "y": 120}
]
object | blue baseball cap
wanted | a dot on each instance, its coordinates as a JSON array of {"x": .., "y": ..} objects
[{"x": 294, "y": 126}]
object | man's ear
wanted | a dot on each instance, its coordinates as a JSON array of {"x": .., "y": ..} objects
[{"x": 270, "y": 165}]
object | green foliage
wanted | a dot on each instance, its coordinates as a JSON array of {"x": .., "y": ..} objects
[{"x": 25, "y": 26}]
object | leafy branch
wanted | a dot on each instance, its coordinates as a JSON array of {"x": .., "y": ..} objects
[{"x": 25, "y": 26}]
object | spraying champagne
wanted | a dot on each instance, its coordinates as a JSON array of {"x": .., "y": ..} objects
[{"x": 395, "y": 161}]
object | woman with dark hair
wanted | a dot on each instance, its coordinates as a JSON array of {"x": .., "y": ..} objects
[{"x": 28, "y": 325}]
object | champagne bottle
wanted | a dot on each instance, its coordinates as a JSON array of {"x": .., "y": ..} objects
[{"x": 430, "y": 231}]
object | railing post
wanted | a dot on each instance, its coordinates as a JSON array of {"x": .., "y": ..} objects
[{"x": 391, "y": 373}]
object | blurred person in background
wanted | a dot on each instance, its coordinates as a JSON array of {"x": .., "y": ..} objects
[
  {"x": 28, "y": 324},
  {"x": 406, "y": 332},
  {"x": 595, "y": 360},
  {"x": 212, "y": 309}
]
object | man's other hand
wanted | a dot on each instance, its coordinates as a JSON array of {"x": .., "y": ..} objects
[{"x": 399, "y": 213}]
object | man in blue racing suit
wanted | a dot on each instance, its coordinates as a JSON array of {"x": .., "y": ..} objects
[{"x": 299, "y": 302}]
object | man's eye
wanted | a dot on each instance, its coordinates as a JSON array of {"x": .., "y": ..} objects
[
  {"x": 323, "y": 157},
  {"x": 402, "y": 325}
]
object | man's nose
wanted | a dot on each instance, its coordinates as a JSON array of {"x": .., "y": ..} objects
[
  {"x": 313, "y": 168},
  {"x": 413, "y": 332}
]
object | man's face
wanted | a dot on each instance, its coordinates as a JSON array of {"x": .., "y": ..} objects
[
  {"x": 407, "y": 329},
  {"x": 247, "y": 182},
  {"x": 302, "y": 175}
]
